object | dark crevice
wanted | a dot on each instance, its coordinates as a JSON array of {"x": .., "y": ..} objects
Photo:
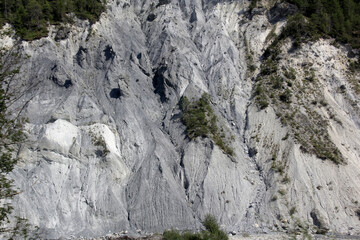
[
  {"x": 151, "y": 17},
  {"x": 51, "y": 120},
  {"x": 357, "y": 212},
  {"x": 66, "y": 84},
  {"x": 144, "y": 71},
  {"x": 109, "y": 53},
  {"x": 115, "y": 93},
  {"x": 159, "y": 83},
  {"x": 252, "y": 152},
  {"x": 193, "y": 17},
  {"x": 315, "y": 219},
  {"x": 163, "y": 2},
  {"x": 80, "y": 56}
]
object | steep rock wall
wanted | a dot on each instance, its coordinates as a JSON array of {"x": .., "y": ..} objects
[{"x": 107, "y": 150}]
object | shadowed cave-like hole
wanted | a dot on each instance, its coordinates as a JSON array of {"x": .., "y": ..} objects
[
  {"x": 115, "y": 93},
  {"x": 68, "y": 84},
  {"x": 159, "y": 82}
]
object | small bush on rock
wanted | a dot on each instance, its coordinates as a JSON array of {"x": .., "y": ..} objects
[
  {"x": 212, "y": 232},
  {"x": 201, "y": 121}
]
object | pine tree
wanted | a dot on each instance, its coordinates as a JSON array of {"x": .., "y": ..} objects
[
  {"x": 31, "y": 17},
  {"x": 11, "y": 135}
]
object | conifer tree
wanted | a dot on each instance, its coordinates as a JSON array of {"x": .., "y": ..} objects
[{"x": 11, "y": 135}]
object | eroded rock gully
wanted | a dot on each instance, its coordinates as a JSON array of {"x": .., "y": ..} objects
[{"x": 107, "y": 150}]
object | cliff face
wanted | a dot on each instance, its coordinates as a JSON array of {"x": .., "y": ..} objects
[{"x": 107, "y": 150}]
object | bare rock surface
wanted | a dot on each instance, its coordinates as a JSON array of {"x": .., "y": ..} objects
[{"x": 107, "y": 151}]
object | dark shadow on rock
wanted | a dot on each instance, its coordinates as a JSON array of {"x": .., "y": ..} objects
[
  {"x": 109, "y": 53},
  {"x": 193, "y": 17},
  {"x": 252, "y": 152},
  {"x": 81, "y": 56},
  {"x": 115, "y": 93},
  {"x": 163, "y": 2},
  {"x": 58, "y": 77},
  {"x": 159, "y": 83},
  {"x": 62, "y": 34},
  {"x": 68, "y": 84},
  {"x": 151, "y": 17}
]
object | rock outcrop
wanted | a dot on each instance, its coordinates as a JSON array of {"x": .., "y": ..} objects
[{"x": 107, "y": 150}]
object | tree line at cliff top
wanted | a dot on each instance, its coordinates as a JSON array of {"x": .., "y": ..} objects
[
  {"x": 30, "y": 18},
  {"x": 335, "y": 18},
  {"x": 339, "y": 19}
]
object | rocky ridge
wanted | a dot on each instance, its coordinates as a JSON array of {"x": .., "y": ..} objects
[{"x": 107, "y": 150}]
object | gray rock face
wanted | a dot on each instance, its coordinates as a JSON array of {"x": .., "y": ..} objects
[{"x": 107, "y": 150}]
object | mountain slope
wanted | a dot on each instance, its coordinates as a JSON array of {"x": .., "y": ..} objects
[{"x": 108, "y": 149}]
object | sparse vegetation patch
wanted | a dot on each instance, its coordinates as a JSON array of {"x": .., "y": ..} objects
[
  {"x": 200, "y": 121},
  {"x": 212, "y": 232},
  {"x": 294, "y": 95}
]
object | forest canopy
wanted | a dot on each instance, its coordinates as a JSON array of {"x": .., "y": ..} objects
[
  {"x": 339, "y": 19},
  {"x": 30, "y": 18}
]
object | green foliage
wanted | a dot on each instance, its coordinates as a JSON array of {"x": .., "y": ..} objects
[
  {"x": 262, "y": 102},
  {"x": 274, "y": 198},
  {"x": 282, "y": 192},
  {"x": 292, "y": 210},
  {"x": 31, "y": 17},
  {"x": 309, "y": 129},
  {"x": 268, "y": 67},
  {"x": 290, "y": 74},
  {"x": 196, "y": 118},
  {"x": 326, "y": 152},
  {"x": 276, "y": 81},
  {"x": 253, "y": 4},
  {"x": 212, "y": 232},
  {"x": 286, "y": 96},
  {"x": 354, "y": 66},
  {"x": 210, "y": 224},
  {"x": 300, "y": 29},
  {"x": 260, "y": 97},
  {"x": 175, "y": 235},
  {"x": 286, "y": 179},
  {"x": 11, "y": 134},
  {"x": 335, "y": 18},
  {"x": 200, "y": 121}
]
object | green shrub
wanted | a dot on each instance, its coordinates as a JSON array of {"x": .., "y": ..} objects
[
  {"x": 268, "y": 67},
  {"x": 252, "y": 68},
  {"x": 274, "y": 198},
  {"x": 292, "y": 211},
  {"x": 258, "y": 90},
  {"x": 276, "y": 81},
  {"x": 354, "y": 66},
  {"x": 282, "y": 192},
  {"x": 286, "y": 96},
  {"x": 253, "y": 4},
  {"x": 210, "y": 224},
  {"x": 290, "y": 74},
  {"x": 212, "y": 232},
  {"x": 175, "y": 235},
  {"x": 184, "y": 103},
  {"x": 299, "y": 29},
  {"x": 262, "y": 102},
  {"x": 200, "y": 121}
]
